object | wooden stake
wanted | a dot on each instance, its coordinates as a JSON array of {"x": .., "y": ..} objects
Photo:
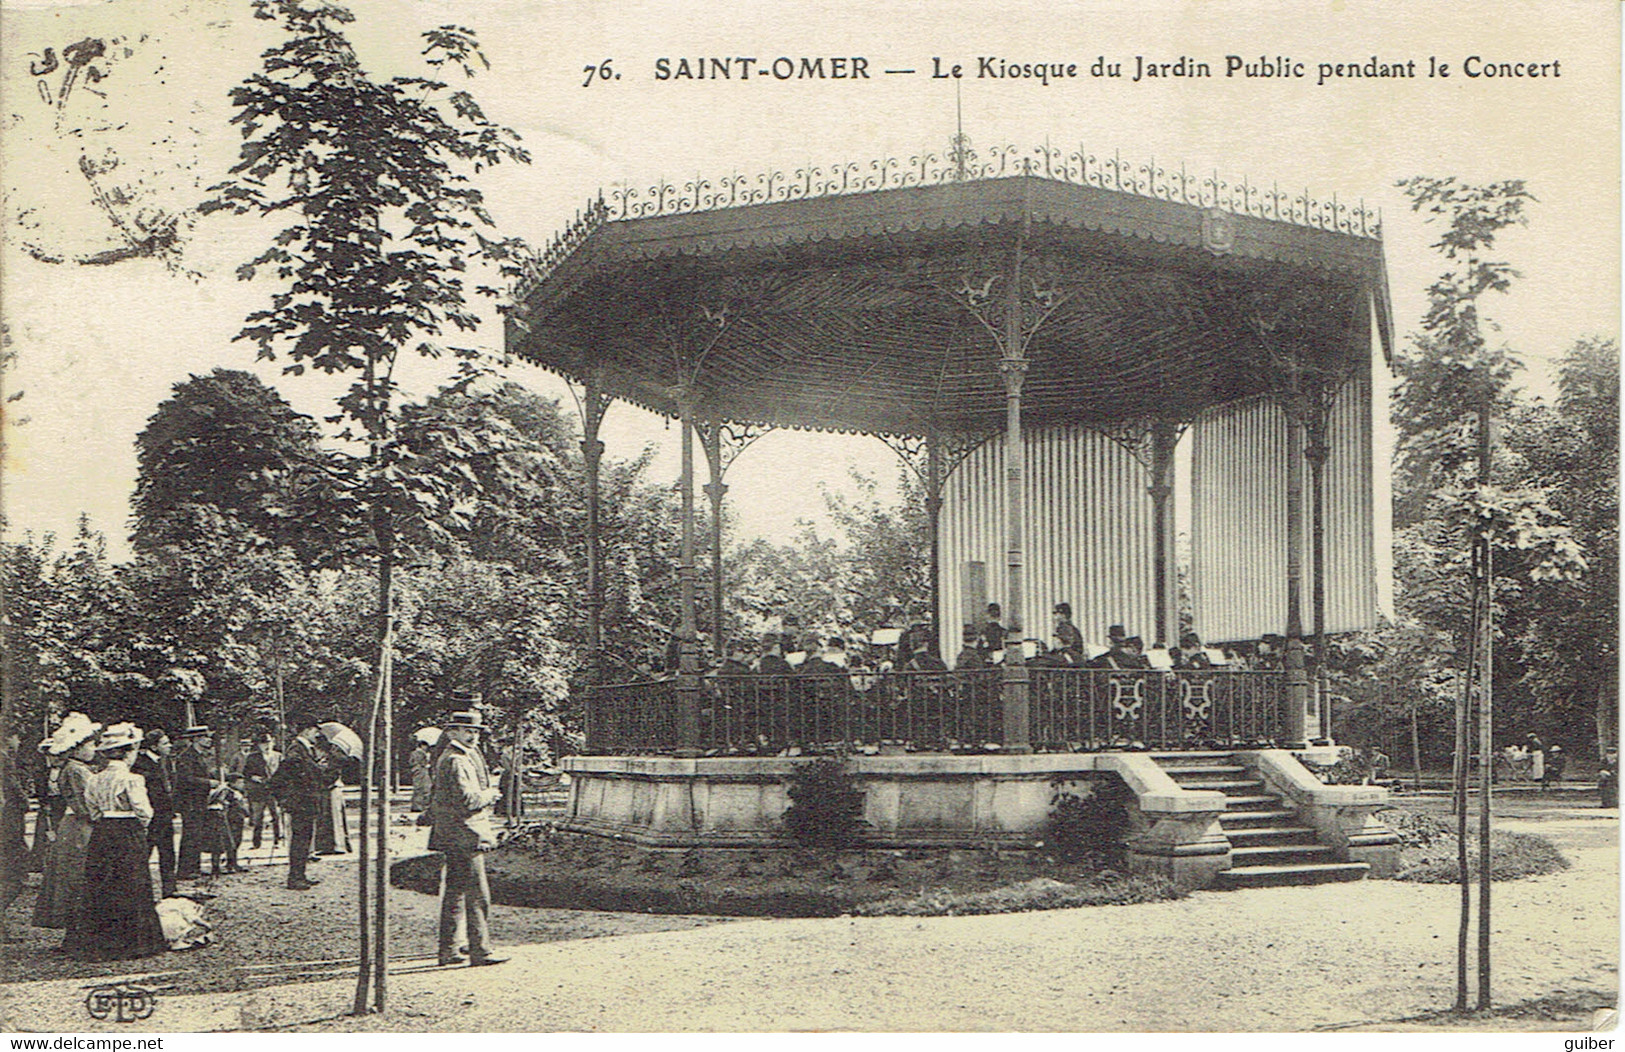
[
  {"x": 381, "y": 895},
  {"x": 1459, "y": 776},
  {"x": 1486, "y": 703}
]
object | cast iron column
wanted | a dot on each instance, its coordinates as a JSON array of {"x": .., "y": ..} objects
[
  {"x": 716, "y": 489},
  {"x": 1013, "y": 367},
  {"x": 1297, "y": 684},
  {"x": 688, "y": 665},
  {"x": 933, "y": 518},
  {"x": 592, "y": 452},
  {"x": 1316, "y": 453},
  {"x": 1162, "y": 489}
]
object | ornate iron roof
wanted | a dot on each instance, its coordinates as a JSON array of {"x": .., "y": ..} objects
[{"x": 873, "y": 299}]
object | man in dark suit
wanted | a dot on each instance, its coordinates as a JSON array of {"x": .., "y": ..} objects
[
  {"x": 301, "y": 784},
  {"x": 153, "y": 764},
  {"x": 772, "y": 662},
  {"x": 992, "y": 638},
  {"x": 1068, "y": 650},
  {"x": 1124, "y": 654},
  {"x": 971, "y": 655},
  {"x": 831, "y": 661},
  {"x": 259, "y": 767},
  {"x": 195, "y": 778},
  {"x": 1190, "y": 654},
  {"x": 822, "y": 690},
  {"x": 461, "y": 805}
]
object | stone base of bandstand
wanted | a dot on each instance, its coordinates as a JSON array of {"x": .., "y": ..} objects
[{"x": 910, "y": 801}]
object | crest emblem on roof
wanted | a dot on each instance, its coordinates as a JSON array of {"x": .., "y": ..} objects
[{"x": 1218, "y": 231}]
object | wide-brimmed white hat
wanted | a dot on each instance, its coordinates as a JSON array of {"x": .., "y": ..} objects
[
  {"x": 75, "y": 729},
  {"x": 119, "y": 736}
]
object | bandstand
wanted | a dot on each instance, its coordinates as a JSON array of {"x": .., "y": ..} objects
[{"x": 1032, "y": 333}]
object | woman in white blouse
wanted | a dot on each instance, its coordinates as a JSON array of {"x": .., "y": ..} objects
[
  {"x": 117, "y": 919},
  {"x": 62, "y": 890}
]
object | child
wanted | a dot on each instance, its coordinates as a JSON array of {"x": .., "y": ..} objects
[{"x": 227, "y": 809}]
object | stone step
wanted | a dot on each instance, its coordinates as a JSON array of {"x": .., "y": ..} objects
[
  {"x": 1282, "y": 876},
  {"x": 1262, "y": 802},
  {"x": 1274, "y": 834},
  {"x": 1228, "y": 786},
  {"x": 1234, "y": 820},
  {"x": 1278, "y": 854},
  {"x": 1206, "y": 771},
  {"x": 1176, "y": 760}
]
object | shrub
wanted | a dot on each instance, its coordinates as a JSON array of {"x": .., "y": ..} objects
[
  {"x": 1416, "y": 828},
  {"x": 1088, "y": 828},
  {"x": 884, "y": 870},
  {"x": 1428, "y": 849},
  {"x": 1353, "y": 767},
  {"x": 1513, "y": 856},
  {"x": 826, "y": 806}
]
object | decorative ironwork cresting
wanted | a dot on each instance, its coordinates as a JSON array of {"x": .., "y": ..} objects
[{"x": 1080, "y": 166}]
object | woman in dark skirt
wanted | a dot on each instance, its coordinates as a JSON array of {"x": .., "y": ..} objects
[
  {"x": 62, "y": 888},
  {"x": 117, "y": 918}
]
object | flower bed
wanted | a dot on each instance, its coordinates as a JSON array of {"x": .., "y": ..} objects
[{"x": 562, "y": 870}]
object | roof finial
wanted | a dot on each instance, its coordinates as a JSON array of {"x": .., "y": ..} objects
[{"x": 959, "y": 150}]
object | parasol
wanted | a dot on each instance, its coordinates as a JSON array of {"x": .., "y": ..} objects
[
  {"x": 342, "y": 738},
  {"x": 429, "y": 736}
]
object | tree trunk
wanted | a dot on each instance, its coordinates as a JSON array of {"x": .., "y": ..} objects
[
  {"x": 1416, "y": 748},
  {"x": 1607, "y": 713},
  {"x": 380, "y": 965},
  {"x": 384, "y": 529},
  {"x": 363, "y": 977},
  {"x": 1486, "y": 701},
  {"x": 1486, "y": 709},
  {"x": 1458, "y": 800}
]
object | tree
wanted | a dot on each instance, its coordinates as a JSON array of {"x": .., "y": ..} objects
[
  {"x": 1567, "y": 632},
  {"x": 640, "y": 545},
  {"x": 486, "y": 627},
  {"x": 227, "y": 444},
  {"x": 28, "y": 596},
  {"x": 516, "y": 453},
  {"x": 1450, "y": 369},
  {"x": 75, "y": 638},
  {"x": 888, "y": 549},
  {"x": 1451, "y": 389},
  {"x": 874, "y": 573},
  {"x": 375, "y": 177}
]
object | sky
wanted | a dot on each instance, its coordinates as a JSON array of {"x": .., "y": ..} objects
[{"x": 99, "y": 346}]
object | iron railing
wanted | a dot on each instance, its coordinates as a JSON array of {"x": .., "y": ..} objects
[
  {"x": 636, "y": 718},
  {"x": 1070, "y": 710},
  {"x": 932, "y": 711},
  {"x": 1092, "y": 709}
]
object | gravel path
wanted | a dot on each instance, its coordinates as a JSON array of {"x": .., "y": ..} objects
[
  {"x": 269, "y": 935},
  {"x": 1286, "y": 959}
]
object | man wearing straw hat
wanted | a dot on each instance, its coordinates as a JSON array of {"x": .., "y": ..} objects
[{"x": 460, "y": 804}]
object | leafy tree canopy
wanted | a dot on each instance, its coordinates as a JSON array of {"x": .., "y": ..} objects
[{"x": 229, "y": 443}]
